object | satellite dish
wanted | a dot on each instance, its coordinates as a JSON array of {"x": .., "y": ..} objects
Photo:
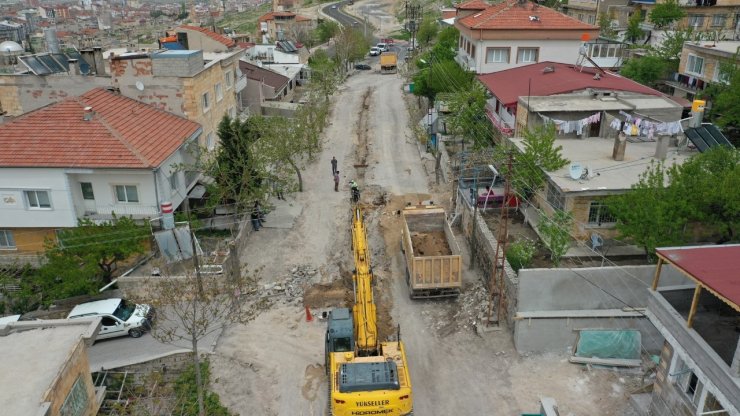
[
  {"x": 576, "y": 170},
  {"x": 139, "y": 85},
  {"x": 84, "y": 68}
]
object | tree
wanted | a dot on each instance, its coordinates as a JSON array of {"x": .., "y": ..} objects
[
  {"x": 467, "y": 118},
  {"x": 427, "y": 31},
  {"x": 326, "y": 30},
  {"x": 605, "y": 26},
  {"x": 670, "y": 48},
  {"x": 440, "y": 76},
  {"x": 540, "y": 155},
  {"x": 101, "y": 244},
  {"x": 324, "y": 74},
  {"x": 190, "y": 308},
  {"x": 663, "y": 14},
  {"x": 669, "y": 205},
  {"x": 634, "y": 31},
  {"x": 445, "y": 48},
  {"x": 349, "y": 45},
  {"x": 555, "y": 231},
  {"x": 725, "y": 104},
  {"x": 647, "y": 70}
]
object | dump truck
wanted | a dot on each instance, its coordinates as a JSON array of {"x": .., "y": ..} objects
[
  {"x": 388, "y": 63},
  {"x": 366, "y": 376},
  {"x": 433, "y": 260}
]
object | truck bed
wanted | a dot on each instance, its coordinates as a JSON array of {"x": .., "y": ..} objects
[{"x": 433, "y": 261}]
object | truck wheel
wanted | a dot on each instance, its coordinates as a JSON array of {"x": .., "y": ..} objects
[{"x": 135, "y": 333}]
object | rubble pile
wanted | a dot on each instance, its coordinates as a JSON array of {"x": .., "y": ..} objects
[
  {"x": 467, "y": 311},
  {"x": 290, "y": 289}
]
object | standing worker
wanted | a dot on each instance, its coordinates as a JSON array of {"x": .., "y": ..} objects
[
  {"x": 355, "y": 190},
  {"x": 336, "y": 181},
  {"x": 333, "y": 165}
]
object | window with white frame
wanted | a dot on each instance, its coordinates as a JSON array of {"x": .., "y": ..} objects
[
  {"x": 38, "y": 199},
  {"x": 219, "y": 92},
  {"x": 595, "y": 50},
  {"x": 127, "y": 193},
  {"x": 721, "y": 75},
  {"x": 696, "y": 20},
  {"x": 555, "y": 198},
  {"x": 687, "y": 381},
  {"x": 232, "y": 112},
  {"x": 206, "y": 101},
  {"x": 229, "y": 80},
  {"x": 591, "y": 19},
  {"x": 87, "y": 191},
  {"x": 711, "y": 404},
  {"x": 599, "y": 214},
  {"x": 718, "y": 20},
  {"x": 497, "y": 55},
  {"x": 174, "y": 182},
  {"x": 7, "y": 242},
  {"x": 695, "y": 64},
  {"x": 527, "y": 55}
]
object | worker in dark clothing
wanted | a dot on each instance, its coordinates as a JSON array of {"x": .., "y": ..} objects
[
  {"x": 355, "y": 190},
  {"x": 333, "y": 165}
]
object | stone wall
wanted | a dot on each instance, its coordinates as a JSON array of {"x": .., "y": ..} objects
[
  {"x": 667, "y": 399},
  {"x": 77, "y": 366}
]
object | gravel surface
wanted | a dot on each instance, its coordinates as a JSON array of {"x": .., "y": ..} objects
[{"x": 274, "y": 364}]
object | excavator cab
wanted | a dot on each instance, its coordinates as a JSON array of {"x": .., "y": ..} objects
[{"x": 339, "y": 333}]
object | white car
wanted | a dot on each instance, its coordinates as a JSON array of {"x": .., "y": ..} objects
[
  {"x": 334, "y": 6},
  {"x": 374, "y": 51},
  {"x": 383, "y": 47},
  {"x": 120, "y": 318}
]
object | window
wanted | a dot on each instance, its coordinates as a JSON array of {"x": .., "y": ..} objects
[
  {"x": 711, "y": 404},
  {"x": 6, "y": 240},
  {"x": 692, "y": 387},
  {"x": 497, "y": 55},
  {"x": 595, "y": 50},
  {"x": 695, "y": 64},
  {"x": 219, "y": 92},
  {"x": 555, "y": 197},
  {"x": 696, "y": 20},
  {"x": 76, "y": 402},
  {"x": 232, "y": 112},
  {"x": 229, "y": 80},
  {"x": 472, "y": 51},
  {"x": 38, "y": 199},
  {"x": 721, "y": 76},
  {"x": 598, "y": 214},
  {"x": 527, "y": 55},
  {"x": 718, "y": 20},
  {"x": 87, "y": 191},
  {"x": 460, "y": 42},
  {"x": 206, "y": 101},
  {"x": 174, "y": 182},
  {"x": 127, "y": 193},
  {"x": 591, "y": 19},
  {"x": 209, "y": 141}
]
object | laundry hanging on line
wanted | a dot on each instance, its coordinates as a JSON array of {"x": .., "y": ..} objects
[
  {"x": 565, "y": 127},
  {"x": 638, "y": 126}
]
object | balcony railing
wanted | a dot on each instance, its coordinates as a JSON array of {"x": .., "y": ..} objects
[
  {"x": 503, "y": 126},
  {"x": 106, "y": 212}
]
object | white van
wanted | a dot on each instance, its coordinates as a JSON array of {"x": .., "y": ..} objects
[
  {"x": 383, "y": 47},
  {"x": 120, "y": 318}
]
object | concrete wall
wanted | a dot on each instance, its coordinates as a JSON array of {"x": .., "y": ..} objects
[
  {"x": 554, "y": 303},
  {"x": 77, "y": 366},
  {"x": 14, "y": 209},
  {"x": 23, "y": 93},
  {"x": 557, "y": 50}
]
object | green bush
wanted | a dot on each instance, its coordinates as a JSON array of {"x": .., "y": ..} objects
[
  {"x": 185, "y": 388},
  {"x": 520, "y": 253}
]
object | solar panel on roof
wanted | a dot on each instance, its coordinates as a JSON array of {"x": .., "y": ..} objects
[
  {"x": 706, "y": 137},
  {"x": 62, "y": 59},
  {"x": 714, "y": 131},
  {"x": 51, "y": 63},
  {"x": 34, "y": 65}
]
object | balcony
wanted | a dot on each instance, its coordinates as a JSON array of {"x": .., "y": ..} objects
[
  {"x": 99, "y": 212},
  {"x": 503, "y": 123},
  {"x": 712, "y": 340},
  {"x": 241, "y": 83}
]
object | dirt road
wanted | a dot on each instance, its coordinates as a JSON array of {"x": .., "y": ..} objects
[{"x": 274, "y": 365}]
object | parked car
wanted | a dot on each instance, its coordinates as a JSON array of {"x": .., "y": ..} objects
[
  {"x": 334, "y": 6},
  {"x": 120, "y": 317},
  {"x": 383, "y": 47},
  {"x": 363, "y": 67},
  {"x": 374, "y": 51}
]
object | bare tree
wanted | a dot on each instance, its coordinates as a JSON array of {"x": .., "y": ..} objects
[{"x": 190, "y": 307}]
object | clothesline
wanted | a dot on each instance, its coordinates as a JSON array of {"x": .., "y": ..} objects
[
  {"x": 637, "y": 126},
  {"x": 565, "y": 127}
]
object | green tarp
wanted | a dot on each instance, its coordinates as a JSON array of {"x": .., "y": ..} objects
[{"x": 597, "y": 343}]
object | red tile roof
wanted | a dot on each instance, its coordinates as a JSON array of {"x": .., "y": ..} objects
[
  {"x": 123, "y": 133},
  {"x": 272, "y": 15},
  {"x": 510, "y": 84},
  {"x": 510, "y": 14},
  {"x": 714, "y": 267},
  {"x": 228, "y": 42},
  {"x": 473, "y": 5}
]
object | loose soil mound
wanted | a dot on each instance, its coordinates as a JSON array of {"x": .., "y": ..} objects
[{"x": 432, "y": 243}]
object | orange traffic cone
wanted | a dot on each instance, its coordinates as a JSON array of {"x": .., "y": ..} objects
[{"x": 309, "y": 317}]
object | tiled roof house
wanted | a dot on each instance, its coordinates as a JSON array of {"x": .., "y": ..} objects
[
  {"x": 518, "y": 32},
  {"x": 88, "y": 156}
]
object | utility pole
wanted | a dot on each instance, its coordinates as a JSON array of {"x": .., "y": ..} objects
[
  {"x": 413, "y": 14},
  {"x": 497, "y": 285},
  {"x": 196, "y": 263}
]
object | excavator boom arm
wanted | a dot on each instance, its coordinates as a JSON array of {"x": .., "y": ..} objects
[{"x": 364, "y": 313}]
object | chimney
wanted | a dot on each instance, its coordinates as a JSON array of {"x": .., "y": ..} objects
[
  {"x": 661, "y": 149},
  {"x": 99, "y": 61},
  {"x": 74, "y": 66},
  {"x": 620, "y": 145},
  {"x": 88, "y": 114}
]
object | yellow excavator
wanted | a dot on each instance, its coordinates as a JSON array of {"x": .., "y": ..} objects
[{"x": 366, "y": 377}]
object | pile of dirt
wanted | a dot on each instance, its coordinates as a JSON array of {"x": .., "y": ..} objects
[
  {"x": 461, "y": 314},
  {"x": 432, "y": 243}
]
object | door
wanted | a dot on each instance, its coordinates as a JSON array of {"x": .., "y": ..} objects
[
  {"x": 595, "y": 129},
  {"x": 88, "y": 198},
  {"x": 110, "y": 327}
]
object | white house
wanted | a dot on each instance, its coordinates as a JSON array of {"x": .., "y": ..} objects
[
  {"x": 90, "y": 156},
  {"x": 518, "y": 32}
]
